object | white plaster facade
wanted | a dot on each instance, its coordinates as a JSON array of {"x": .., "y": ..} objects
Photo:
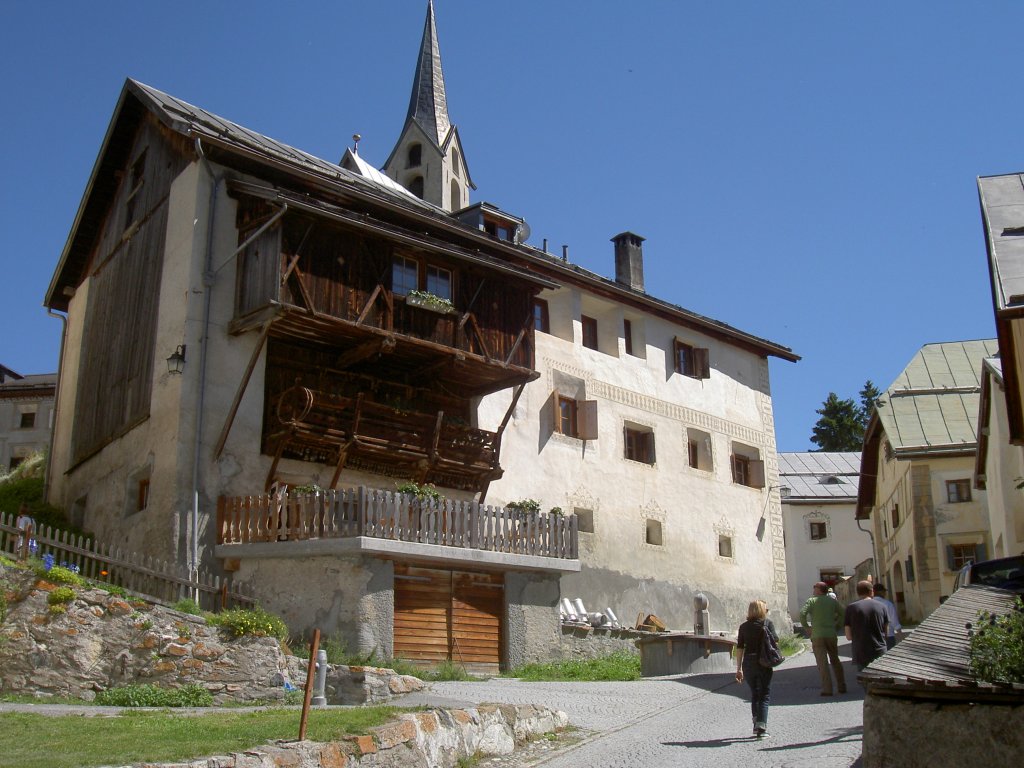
[
  {"x": 650, "y": 533},
  {"x": 26, "y": 417},
  {"x": 819, "y": 516}
]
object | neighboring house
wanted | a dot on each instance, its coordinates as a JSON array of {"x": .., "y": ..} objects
[
  {"x": 823, "y": 539},
  {"x": 999, "y": 465},
  {"x": 1000, "y": 468},
  {"x": 26, "y": 415},
  {"x": 917, "y": 472},
  {"x": 243, "y": 316},
  {"x": 922, "y": 703}
]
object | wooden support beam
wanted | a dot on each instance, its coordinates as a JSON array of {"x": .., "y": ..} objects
[
  {"x": 369, "y": 304},
  {"x": 519, "y": 339},
  {"x": 301, "y": 282},
  {"x": 373, "y": 347},
  {"x": 242, "y": 385}
]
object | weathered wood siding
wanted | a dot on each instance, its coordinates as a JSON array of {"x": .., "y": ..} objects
[{"x": 116, "y": 368}]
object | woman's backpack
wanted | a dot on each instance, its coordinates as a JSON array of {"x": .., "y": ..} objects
[{"x": 770, "y": 656}]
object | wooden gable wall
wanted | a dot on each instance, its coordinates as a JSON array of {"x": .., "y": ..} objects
[{"x": 116, "y": 363}]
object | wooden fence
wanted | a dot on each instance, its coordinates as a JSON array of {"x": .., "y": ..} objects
[
  {"x": 147, "y": 577},
  {"x": 400, "y": 517}
]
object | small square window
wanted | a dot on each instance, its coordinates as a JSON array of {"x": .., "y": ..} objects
[
  {"x": 584, "y": 520},
  {"x": 28, "y": 420},
  {"x": 653, "y": 532},
  {"x": 589, "y": 332},
  {"x": 895, "y": 516},
  {"x": 958, "y": 491},
  {"x": 691, "y": 361},
  {"x": 541, "y": 320},
  {"x": 724, "y": 546},
  {"x": 698, "y": 449},
  {"x": 575, "y": 418},
  {"x": 639, "y": 444},
  {"x": 568, "y": 416},
  {"x": 142, "y": 495},
  {"x": 818, "y": 530},
  {"x": 960, "y": 555}
]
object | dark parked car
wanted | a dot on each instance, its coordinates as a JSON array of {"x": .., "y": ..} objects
[{"x": 1006, "y": 572}]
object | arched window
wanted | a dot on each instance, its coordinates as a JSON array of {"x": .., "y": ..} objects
[
  {"x": 415, "y": 156},
  {"x": 416, "y": 186},
  {"x": 455, "y": 162},
  {"x": 456, "y": 195}
]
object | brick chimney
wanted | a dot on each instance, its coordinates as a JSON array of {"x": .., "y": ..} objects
[{"x": 629, "y": 260}]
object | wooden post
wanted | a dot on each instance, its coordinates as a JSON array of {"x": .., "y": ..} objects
[{"x": 310, "y": 675}]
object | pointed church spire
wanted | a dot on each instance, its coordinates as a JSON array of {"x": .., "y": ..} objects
[{"x": 428, "y": 105}]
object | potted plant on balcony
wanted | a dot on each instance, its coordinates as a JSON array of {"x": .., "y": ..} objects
[{"x": 430, "y": 302}]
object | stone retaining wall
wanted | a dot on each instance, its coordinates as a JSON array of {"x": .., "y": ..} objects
[
  {"x": 594, "y": 642},
  {"x": 435, "y": 739}
]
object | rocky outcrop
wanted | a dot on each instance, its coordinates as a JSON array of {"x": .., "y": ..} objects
[{"x": 100, "y": 641}]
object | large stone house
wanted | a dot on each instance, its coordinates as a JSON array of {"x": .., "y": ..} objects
[
  {"x": 916, "y": 480},
  {"x": 824, "y": 541},
  {"x": 1000, "y": 466},
  {"x": 26, "y": 415},
  {"x": 244, "y": 318}
]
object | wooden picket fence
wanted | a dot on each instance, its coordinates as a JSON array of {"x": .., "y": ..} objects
[
  {"x": 141, "y": 575},
  {"x": 383, "y": 514}
]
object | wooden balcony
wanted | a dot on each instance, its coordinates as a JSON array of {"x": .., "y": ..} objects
[
  {"x": 395, "y": 526},
  {"x": 361, "y": 434}
]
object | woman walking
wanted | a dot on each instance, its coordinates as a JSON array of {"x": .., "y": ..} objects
[{"x": 748, "y": 665}]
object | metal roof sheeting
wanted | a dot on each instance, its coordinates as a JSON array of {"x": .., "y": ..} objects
[
  {"x": 820, "y": 476},
  {"x": 933, "y": 403},
  {"x": 1002, "y": 211}
]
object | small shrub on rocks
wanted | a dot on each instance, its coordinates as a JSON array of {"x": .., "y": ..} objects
[
  {"x": 257, "y": 622},
  {"x": 57, "y": 574},
  {"x": 188, "y": 605},
  {"x": 153, "y": 696},
  {"x": 60, "y": 596}
]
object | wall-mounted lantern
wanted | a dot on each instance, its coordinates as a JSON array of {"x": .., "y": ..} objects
[{"x": 176, "y": 362}]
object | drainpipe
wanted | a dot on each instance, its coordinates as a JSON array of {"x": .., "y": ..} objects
[
  {"x": 56, "y": 398},
  {"x": 871, "y": 536}
]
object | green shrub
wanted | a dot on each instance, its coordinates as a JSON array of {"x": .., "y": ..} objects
[
  {"x": 997, "y": 646},
  {"x": 422, "y": 492},
  {"x": 58, "y": 574},
  {"x": 446, "y": 670},
  {"x": 112, "y": 589},
  {"x": 189, "y": 606},
  {"x": 60, "y": 596},
  {"x": 151, "y": 696},
  {"x": 524, "y": 505},
  {"x": 255, "y": 621}
]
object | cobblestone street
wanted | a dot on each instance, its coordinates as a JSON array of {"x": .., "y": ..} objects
[{"x": 680, "y": 721}]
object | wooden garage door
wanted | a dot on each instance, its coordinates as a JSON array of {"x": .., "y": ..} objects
[{"x": 442, "y": 615}]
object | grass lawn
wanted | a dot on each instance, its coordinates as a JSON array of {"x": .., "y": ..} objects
[
  {"x": 620, "y": 666},
  {"x": 38, "y": 741}
]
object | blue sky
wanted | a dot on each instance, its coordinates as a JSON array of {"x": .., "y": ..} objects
[{"x": 804, "y": 171}]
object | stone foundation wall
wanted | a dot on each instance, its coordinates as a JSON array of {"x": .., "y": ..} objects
[
  {"x": 594, "y": 642},
  {"x": 910, "y": 732}
]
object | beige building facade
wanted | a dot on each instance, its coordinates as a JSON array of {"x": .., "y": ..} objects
[{"x": 917, "y": 475}]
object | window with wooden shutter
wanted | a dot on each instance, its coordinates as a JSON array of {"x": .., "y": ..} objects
[
  {"x": 691, "y": 361},
  {"x": 575, "y": 418},
  {"x": 587, "y": 419},
  {"x": 589, "y": 332}
]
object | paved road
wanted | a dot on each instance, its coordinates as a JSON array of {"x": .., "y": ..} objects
[{"x": 699, "y": 720}]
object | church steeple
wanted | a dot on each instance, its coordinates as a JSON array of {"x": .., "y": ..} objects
[
  {"x": 428, "y": 158},
  {"x": 428, "y": 105}
]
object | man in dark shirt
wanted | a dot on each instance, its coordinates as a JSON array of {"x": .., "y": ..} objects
[{"x": 865, "y": 624}]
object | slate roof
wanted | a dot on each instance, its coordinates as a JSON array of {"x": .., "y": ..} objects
[
  {"x": 819, "y": 476},
  {"x": 933, "y": 403},
  {"x": 935, "y": 658}
]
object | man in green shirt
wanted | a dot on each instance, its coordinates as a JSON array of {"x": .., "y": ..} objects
[{"x": 826, "y": 621}]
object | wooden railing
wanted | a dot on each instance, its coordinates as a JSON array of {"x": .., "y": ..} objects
[
  {"x": 399, "y": 517},
  {"x": 147, "y": 577}
]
